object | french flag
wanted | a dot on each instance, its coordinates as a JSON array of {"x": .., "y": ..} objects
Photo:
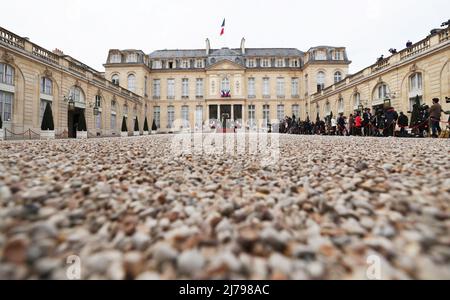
[{"x": 222, "y": 31}]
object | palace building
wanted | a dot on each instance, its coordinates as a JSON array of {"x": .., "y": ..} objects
[
  {"x": 191, "y": 89},
  {"x": 187, "y": 90}
]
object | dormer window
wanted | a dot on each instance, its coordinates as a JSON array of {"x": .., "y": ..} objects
[
  {"x": 337, "y": 55},
  {"x": 251, "y": 63},
  {"x": 280, "y": 63},
  {"x": 321, "y": 55},
  {"x": 132, "y": 58},
  {"x": 156, "y": 64},
  {"x": 115, "y": 79},
  {"x": 265, "y": 63},
  {"x": 185, "y": 64},
  {"x": 199, "y": 64},
  {"x": 170, "y": 65},
  {"x": 115, "y": 58},
  {"x": 294, "y": 63}
]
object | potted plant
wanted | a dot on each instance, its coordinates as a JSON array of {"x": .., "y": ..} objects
[
  {"x": 136, "y": 127},
  {"x": 145, "y": 126},
  {"x": 2, "y": 131},
  {"x": 124, "y": 131},
  {"x": 47, "y": 125},
  {"x": 154, "y": 127},
  {"x": 82, "y": 128}
]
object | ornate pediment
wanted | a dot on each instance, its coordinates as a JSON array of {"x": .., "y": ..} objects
[
  {"x": 226, "y": 65},
  {"x": 7, "y": 57},
  {"x": 48, "y": 73},
  {"x": 413, "y": 68}
]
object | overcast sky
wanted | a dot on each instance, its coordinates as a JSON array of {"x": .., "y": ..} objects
[{"x": 87, "y": 29}]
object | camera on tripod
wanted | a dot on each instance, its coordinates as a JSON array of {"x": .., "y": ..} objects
[{"x": 447, "y": 100}]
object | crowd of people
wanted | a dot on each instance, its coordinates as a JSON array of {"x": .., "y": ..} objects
[{"x": 382, "y": 122}]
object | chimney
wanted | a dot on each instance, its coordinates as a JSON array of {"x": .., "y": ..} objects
[
  {"x": 58, "y": 52},
  {"x": 243, "y": 45},
  {"x": 208, "y": 47}
]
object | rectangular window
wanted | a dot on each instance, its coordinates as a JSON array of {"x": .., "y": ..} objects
[
  {"x": 156, "y": 64},
  {"x": 266, "y": 87},
  {"x": 251, "y": 63},
  {"x": 251, "y": 88},
  {"x": 185, "y": 88},
  {"x": 296, "y": 110},
  {"x": 42, "y": 110},
  {"x": 280, "y": 87},
  {"x": 280, "y": 63},
  {"x": 46, "y": 86},
  {"x": 294, "y": 88},
  {"x": 132, "y": 58},
  {"x": 145, "y": 86},
  {"x": 98, "y": 121},
  {"x": 252, "y": 115},
  {"x": 170, "y": 116},
  {"x": 199, "y": 88},
  {"x": 113, "y": 122},
  {"x": 157, "y": 116},
  {"x": 6, "y": 100},
  {"x": 280, "y": 112},
  {"x": 337, "y": 55},
  {"x": 6, "y": 74},
  {"x": 199, "y": 117},
  {"x": 156, "y": 88},
  {"x": 266, "y": 115},
  {"x": 185, "y": 64},
  {"x": 185, "y": 116},
  {"x": 170, "y": 88},
  {"x": 294, "y": 63},
  {"x": 265, "y": 63},
  {"x": 199, "y": 63},
  {"x": 116, "y": 58}
]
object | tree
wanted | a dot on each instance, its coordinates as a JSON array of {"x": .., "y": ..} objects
[
  {"x": 1, "y": 123},
  {"x": 82, "y": 123},
  {"x": 145, "y": 124},
  {"x": 154, "y": 127},
  {"x": 415, "y": 115},
  {"x": 47, "y": 119},
  {"x": 136, "y": 124},
  {"x": 124, "y": 124}
]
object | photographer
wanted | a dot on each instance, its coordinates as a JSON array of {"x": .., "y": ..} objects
[
  {"x": 403, "y": 122},
  {"x": 435, "y": 117}
]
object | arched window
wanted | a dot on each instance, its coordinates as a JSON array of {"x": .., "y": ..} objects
[
  {"x": 415, "y": 82},
  {"x": 132, "y": 83},
  {"x": 320, "y": 81},
  {"x": 225, "y": 84},
  {"x": 381, "y": 92},
  {"x": 46, "y": 86},
  {"x": 340, "y": 105},
  {"x": 356, "y": 100},
  {"x": 77, "y": 94},
  {"x": 337, "y": 77},
  {"x": 415, "y": 89},
  {"x": 6, "y": 74},
  {"x": 115, "y": 79},
  {"x": 46, "y": 97}
]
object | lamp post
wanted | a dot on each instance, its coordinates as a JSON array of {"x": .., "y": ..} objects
[
  {"x": 361, "y": 108},
  {"x": 387, "y": 103},
  {"x": 70, "y": 102}
]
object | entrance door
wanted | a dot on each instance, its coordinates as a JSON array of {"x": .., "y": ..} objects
[{"x": 73, "y": 120}]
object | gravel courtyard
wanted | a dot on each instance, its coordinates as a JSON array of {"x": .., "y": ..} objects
[{"x": 130, "y": 208}]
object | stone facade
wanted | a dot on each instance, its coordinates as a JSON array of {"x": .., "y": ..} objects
[
  {"x": 189, "y": 88},
  {"x": 31, "y": 76},
  {"x": 183, "y": 90},
  {"x": 420, "y": 70}
]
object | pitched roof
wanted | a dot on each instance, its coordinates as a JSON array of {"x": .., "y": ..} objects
[{"x": 201, "y": 53}]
